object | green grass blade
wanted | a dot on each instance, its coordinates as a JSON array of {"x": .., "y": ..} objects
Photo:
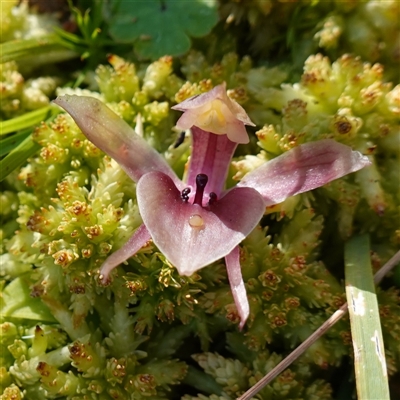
[
  {"x": 10, "y": 142},
  {"x": 73, "y": 41},
  {"x": 18, "y": 156},
  {"x": 24, "y": 121},
  {"x": 369, "y": 352},
  {"x": 16, "y": 49}
]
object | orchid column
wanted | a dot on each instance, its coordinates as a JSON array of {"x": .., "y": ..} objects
[{"x": 195, "y": 223}]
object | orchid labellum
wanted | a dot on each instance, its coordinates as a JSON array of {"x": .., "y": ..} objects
[{"x": 197, "y": 222}]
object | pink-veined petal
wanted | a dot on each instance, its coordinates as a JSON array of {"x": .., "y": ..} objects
[
  {"x": 238, "y": 289},
  {"x": 131, "y": 247},
  {"x": 189, "y": 248},
  {"x": 114, "y": 136},
  {"x": 211, "y": 155},
  {"x": 303, "y": 168}
]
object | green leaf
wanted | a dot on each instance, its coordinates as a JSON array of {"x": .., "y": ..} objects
[
  {"x": 20, "y": 146},
  {"x": 369, "y": 352},
  {"x": 9, "y": 143},
  {"x": 162, "y": 27},
  {"x": 18, "y": 303},
  {"x": 18, "y": 156},
  {"x": 24, "y": 121},
  {"x": 15, "y": 50}
]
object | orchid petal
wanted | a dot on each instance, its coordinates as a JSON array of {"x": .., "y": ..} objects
[
  {"x": 236, "y": 131},
  {"x": 303, "y": 168},
  {"x": 215, "y": 112},
  {"x": 221, "y": 122},
  {"x": 199, "y": 100},
  {"x": 216, "y": 232},
  {"x": 211, "y": 155},
  {"x": 114, "y": 136},
  {"x": 131, "y": 247},
  {"x": 240, "y": 113},
  {"x": 218, "y": 92},
  {"x": 238, "y": 289}
]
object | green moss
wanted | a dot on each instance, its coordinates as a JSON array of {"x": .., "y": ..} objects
[{"x": 19, "y": 95}]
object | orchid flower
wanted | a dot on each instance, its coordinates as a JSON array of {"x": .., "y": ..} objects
[{"x": 197, "y": 222}]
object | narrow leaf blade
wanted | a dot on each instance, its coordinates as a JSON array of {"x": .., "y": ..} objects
[
  {"x": 9, "y": 143},
  {"x": 18, "y": 156},
  {"x": 24, "y": 121},
  {"x": 15, "y": 50},
  {"x": 369, "y": 352}
]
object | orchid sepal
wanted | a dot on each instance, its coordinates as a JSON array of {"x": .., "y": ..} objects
[
  {"x": 303, "y": 168},
  {"x": 114, "y": 136},
  {"x": 236, "y": 283}
]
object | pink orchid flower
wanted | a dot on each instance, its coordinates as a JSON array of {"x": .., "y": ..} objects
[{"x": 197, "y": 222}]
